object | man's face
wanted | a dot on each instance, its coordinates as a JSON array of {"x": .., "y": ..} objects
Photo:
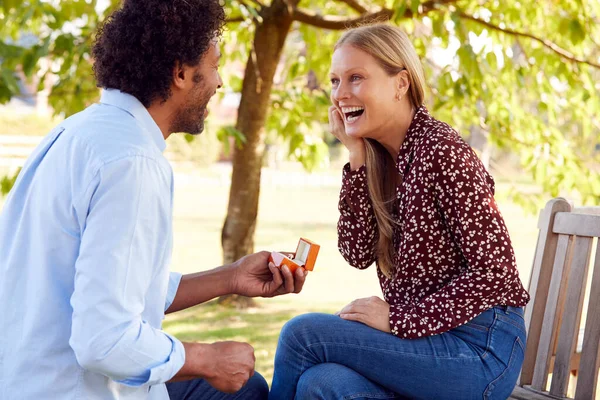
[{"x": 190, "y": 116}]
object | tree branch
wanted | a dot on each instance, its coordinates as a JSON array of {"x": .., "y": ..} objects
[
  {"x": 234, "y": 20},
  {"x": 337, "y": 23},
  {"x": 355, "y": 5},
  {"x": 547, "y": 43},
  {"x": 384, "y": 14}
]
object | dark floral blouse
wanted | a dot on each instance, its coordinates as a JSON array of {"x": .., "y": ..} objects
[{"x": 453, "y": 258}]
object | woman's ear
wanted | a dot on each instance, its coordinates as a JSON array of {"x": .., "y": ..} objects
[{"x": 402, "y": 84}]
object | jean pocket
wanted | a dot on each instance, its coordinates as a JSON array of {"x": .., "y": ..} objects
[
  {"x": 483, "y": 321},
  {"x": 517, "y": 322},
  {"x": 475, "y": 326},
  {"x": 502, "y": 386}
]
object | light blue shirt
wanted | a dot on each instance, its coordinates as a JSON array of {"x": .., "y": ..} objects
[{"x": 85, "y": 246}]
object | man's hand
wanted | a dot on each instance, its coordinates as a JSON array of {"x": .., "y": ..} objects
[
  {"x": 371, "y": 311},
  {"x": 255, "y": 276},
  {"x": 232, "y": 364},
  {"x": 226, "y": 366}
]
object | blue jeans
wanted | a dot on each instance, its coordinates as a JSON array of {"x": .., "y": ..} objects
[
  {"x": 198, "y": 389},
  {"x": 321, "y": 356}
]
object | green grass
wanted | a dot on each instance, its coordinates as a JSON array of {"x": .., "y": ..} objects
[
  {"x": 26, "y": 125},
  {"x": 285, "y": 214},
  {"x": 258, "y": 326}
]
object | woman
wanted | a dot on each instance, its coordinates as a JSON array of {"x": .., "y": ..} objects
[{"x": 416, "y": 200}]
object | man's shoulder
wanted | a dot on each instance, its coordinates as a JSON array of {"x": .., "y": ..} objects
[{"x": 102, "y": 134}]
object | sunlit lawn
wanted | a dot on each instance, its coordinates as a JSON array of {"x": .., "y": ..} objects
[
  {"x": 287, "y": 212},
  {"x": 258, "y": 326}
]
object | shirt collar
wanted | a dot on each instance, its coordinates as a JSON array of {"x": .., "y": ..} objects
[
  {"x": 132, "y": 105},
  {"x": 415, "y": 130}
]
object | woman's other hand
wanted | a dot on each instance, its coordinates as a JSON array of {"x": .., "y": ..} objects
[{"x": 371, "y": 311}]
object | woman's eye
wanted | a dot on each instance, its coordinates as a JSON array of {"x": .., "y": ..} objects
[
  {"x": 335, "y": 81},
  {"x": 355, "y": 78}
]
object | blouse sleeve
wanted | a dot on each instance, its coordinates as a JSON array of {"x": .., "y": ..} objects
[
  {"x": 464, "y": 195},
  {"x": 357, "y": 226}
]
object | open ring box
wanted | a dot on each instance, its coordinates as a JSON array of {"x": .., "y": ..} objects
[{"x": 305, "y": 256}]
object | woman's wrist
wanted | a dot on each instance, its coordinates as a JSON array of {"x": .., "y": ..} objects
[{"x": 357, "y": 159}]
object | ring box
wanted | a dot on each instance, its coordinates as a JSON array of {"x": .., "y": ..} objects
[{"x": 305, "y": 256}]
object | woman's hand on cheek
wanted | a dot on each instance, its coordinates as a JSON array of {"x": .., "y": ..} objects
[{"x": 355, "y": 145}]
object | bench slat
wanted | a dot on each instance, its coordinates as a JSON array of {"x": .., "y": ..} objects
[
  {"x": 569, "y": 330},
  {"x": 520, "y": 393},
  {"x": 590, "y": 359},
  {"x": 577, "y": 224},
  {"x": 539, "y": 283},
  {"x": 552, "y": 312}
]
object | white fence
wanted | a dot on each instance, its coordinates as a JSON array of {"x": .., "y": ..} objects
[{"x": 14, "y": 149}]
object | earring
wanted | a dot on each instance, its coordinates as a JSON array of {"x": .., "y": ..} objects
[{"x": 398, "y": 97}]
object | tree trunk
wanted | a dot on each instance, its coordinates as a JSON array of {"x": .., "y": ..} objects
[{"x": 237, "y": 236}]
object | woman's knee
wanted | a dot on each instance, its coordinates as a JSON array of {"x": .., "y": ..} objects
[
  {"x": 334, "y": 381},
  {"x": 313, "y": 383},
  {"x": 305, "y": 326}
]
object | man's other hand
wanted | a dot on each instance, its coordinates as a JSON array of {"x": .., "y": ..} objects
[
  {"x": 255, "y": 276},
  {"x": 227, "y": 366}
]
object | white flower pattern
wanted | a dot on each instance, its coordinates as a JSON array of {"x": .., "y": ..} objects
[{"x": 454, "y": 258}]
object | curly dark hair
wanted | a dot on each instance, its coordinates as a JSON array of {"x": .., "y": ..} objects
[{"x": 138, "y": 45}]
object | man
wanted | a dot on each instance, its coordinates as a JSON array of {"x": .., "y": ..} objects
[{"x": 86, "y": 233}]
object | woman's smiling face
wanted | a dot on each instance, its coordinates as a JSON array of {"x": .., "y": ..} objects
[{"x": 364, "y": 93}]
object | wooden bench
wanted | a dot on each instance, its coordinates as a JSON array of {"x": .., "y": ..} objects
[{"x": 565, "y": 294}]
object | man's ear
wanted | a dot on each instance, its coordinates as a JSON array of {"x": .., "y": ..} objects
[{"x": 181, "y": 75}]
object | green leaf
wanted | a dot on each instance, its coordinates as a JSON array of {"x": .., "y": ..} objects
[
  {"x": 492, "y": 61},
  {"x": 8, "y": 5},
  {"x": 576, "y": 32},
  {"x": 225, "y": 133},
  {"x": 11, "y": 81},
  {"x": 414, "y": 6},
  {"x": 235, "y": 82},
  {"x": 438, "y": 25},
  {"x": 400, "y": 10},
  {"x": 7, "y": 182}
]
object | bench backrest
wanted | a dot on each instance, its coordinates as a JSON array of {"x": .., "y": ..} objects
[{"x": 560, "y": 275}]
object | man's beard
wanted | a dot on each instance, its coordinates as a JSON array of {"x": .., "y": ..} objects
[{"x": 190, "y": 119}]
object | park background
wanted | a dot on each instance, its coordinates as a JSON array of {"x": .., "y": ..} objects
[{"x": 518, "y": 79}]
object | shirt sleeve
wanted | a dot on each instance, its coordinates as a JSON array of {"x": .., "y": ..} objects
[
  {"x": 174, "y": 280},
  {"x": 357, "y": 226},
  {"x": 122, "y": 246},
  {"x": 464, "y": 193}
]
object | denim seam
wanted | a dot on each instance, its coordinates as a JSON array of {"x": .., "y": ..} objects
[
  {"x": 521, "y": 345},
  {"x": 488, "y": 344},
  {"x": 304, "y": 351},
  {"x": 476, "y": 326},
  {"x": 393, "y": 351},
  {"x": 515, "y": 313},
  {"x": 370, "y": 396},
  {"x": 510, "y": 321},
  {"x": 492, "y": 384}
]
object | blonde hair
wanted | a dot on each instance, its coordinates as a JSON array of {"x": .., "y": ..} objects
[{"x": 394, "y": 52}]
